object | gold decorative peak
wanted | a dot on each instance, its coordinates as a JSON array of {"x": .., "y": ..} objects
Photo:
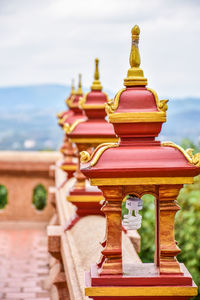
[
  {"x": 135, "y": 75},
  {"x": 135, "y": 55},
  {"x": 73, "y": 88},
  {"x": 96, "y": 73},
  {"x": 96, "y": 85},
  {"x": 79, "y": 91}
]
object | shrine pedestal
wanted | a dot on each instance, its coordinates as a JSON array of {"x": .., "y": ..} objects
[
  {"x": 141, "y": 281},
  {"x": 69, "y": 168},
  {"x": 87, "y": 202}
]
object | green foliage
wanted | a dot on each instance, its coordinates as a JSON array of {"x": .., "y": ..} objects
[
  {"x": 3, "y": 196},
  {"x": 186, "y": 143},
  {"x": 147, "y": 230},
  {"x": 187, "y": 228},
  {"x": 39, "y": 197}
]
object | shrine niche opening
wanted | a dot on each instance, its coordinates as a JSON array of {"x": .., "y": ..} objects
[
  {"x": 3, "y": 196},
  {"x": 39, "y": 197},
  {"x": 147, "y": 229}
]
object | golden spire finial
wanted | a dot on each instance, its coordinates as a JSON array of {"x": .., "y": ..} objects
[
  {"x": 135, "y": 55},
  {"x": 73, "y": 88},
  {"x": 135, "y": 75},
  {"x": 96, "y": 73},
  {"x": 96, "y": 85},
  {"x": 79, "y": 91}
]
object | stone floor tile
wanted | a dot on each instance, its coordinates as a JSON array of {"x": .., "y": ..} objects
[
  {"x": 20, "y": 295},
  {"x": 24, "y": 263}
]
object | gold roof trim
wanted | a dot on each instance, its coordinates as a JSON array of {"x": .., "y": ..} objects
[
  {"x": 82, "y": 101},
  {"x": 93, "y": 159},
  {"x": 68, "y": 129},
  {"x": 69, "y": 101},
  {"x": 60, "y": 114},
  {"x": 92, "y": 141},
  {"x": 83, "y": 105},
  {"x": 161, "y": 104},
  {"x": 86, "y": 157},
  {"x": 137, "y": 117},
  {"x": 141, "y": 181},
  {"x": 111, "y": 105},
  {"x": 60, "y": 121},
  {"x": 194, "y": 159}
]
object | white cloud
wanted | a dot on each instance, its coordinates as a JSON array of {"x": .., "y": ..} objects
[
  {"x": 28, "y": 144},
  {"x": 51, "y": 41}
]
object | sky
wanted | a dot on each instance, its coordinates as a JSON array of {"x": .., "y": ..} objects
[{"x": 51, "y": 41}]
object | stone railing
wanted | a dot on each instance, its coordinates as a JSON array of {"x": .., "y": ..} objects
[
  {"x": 74, "y": 250},
  {"x": 20, "y": 174}
]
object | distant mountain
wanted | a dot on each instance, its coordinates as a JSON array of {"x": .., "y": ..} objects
[
  {"x": 34, "y": 97},
  {"x": 183, "y": 120},
  {"x": 28, "y": 117}
]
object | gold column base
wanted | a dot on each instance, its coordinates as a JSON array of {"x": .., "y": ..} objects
[
  {"x": 127, "y": 291},
  {"x": 84, "y": 198}
]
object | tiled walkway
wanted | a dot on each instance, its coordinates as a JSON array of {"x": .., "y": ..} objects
[{"x": 23, "y": 262}]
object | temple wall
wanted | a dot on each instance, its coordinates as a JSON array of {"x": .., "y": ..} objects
[{"x": 20, "y": 173}]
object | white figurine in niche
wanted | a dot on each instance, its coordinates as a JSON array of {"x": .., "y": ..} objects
[{"x": 133, "y": 222}]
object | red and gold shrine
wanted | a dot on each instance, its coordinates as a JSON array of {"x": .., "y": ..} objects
[
  {"x": 87, "y": 134},
  {"x": 61, "y": 118},
  {"x": 70, "y": 116},
  {"x": 135, "y": 166}
]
